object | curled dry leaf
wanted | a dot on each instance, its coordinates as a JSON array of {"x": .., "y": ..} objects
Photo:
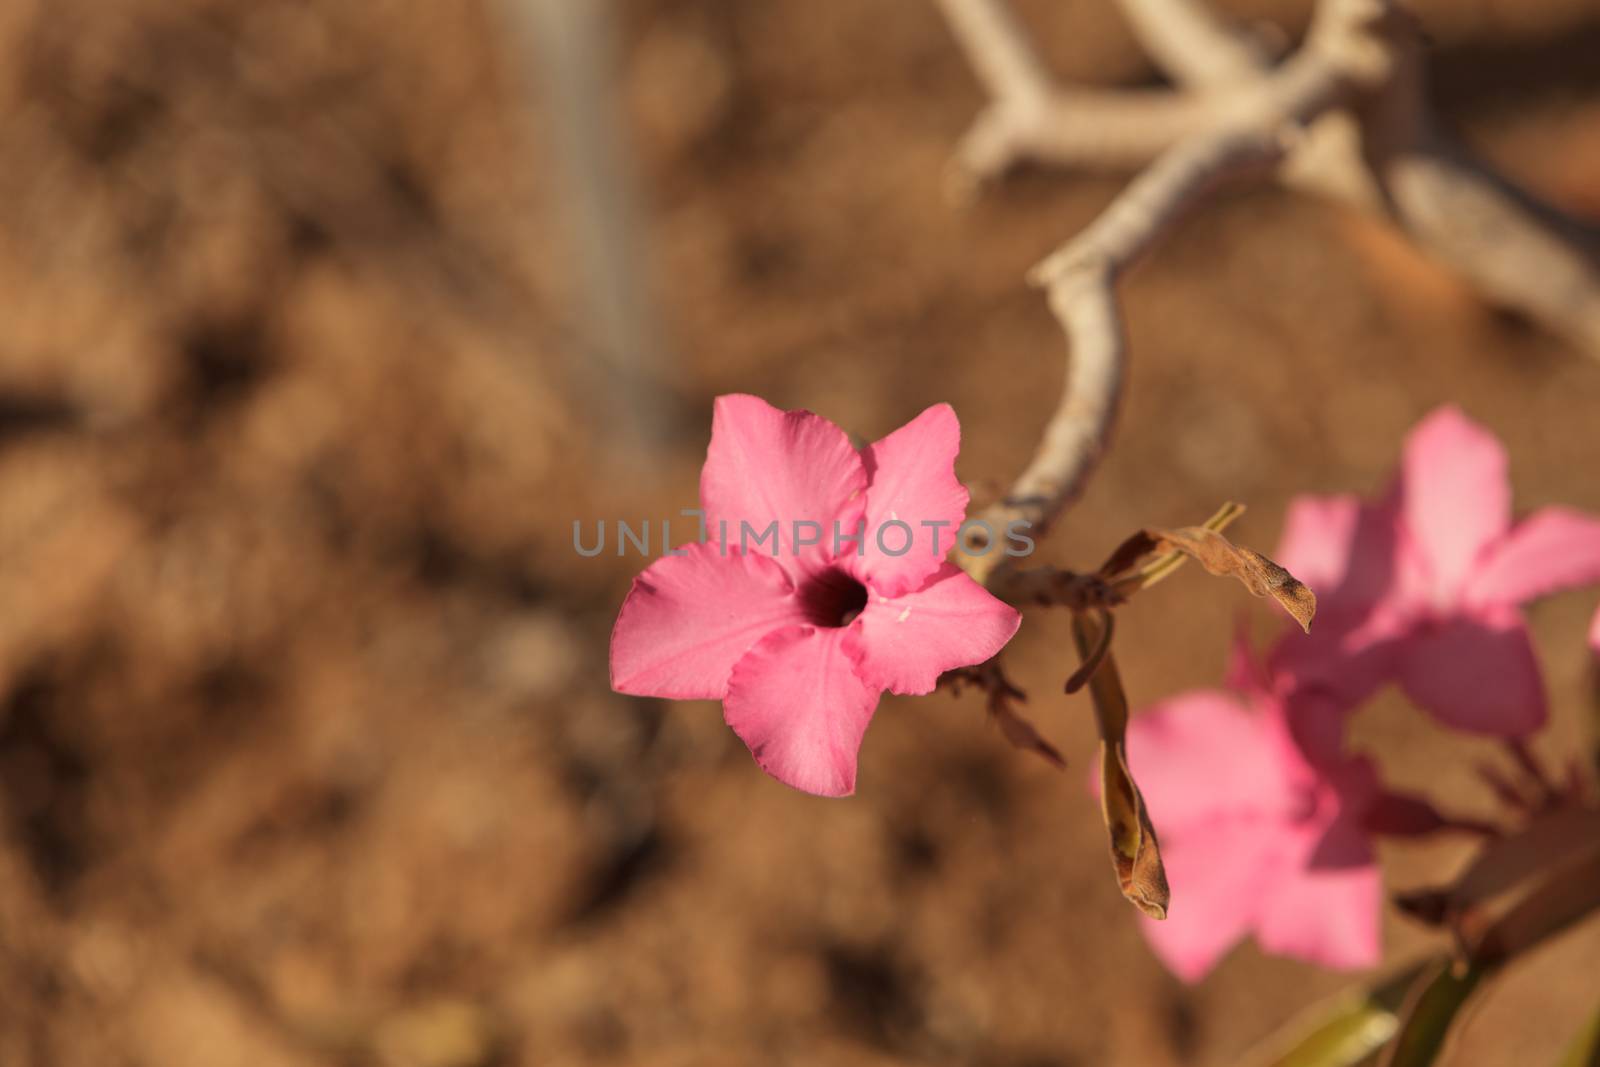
[
  {"x": 1001, "y": 695},
  {"x": 1022, "y": 733},
  {"x": 1215, "y": 553},
  {"x": 1258, "y": 574},
  {"x": 1128, "y": 555},
  {"x": 1135, "y": 853},
  {"x": 1092, "y": 661}
]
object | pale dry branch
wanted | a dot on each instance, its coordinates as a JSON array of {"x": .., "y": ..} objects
[
  {"x": 566, "y": 54},
  {"x": 1518, "y": 253},
  {"x": 1344, "y": 116},
  {"x": 1029, "y": 118},
  {"x": 1192, "y": 45},
  {"x": 1083, "y": 129}
]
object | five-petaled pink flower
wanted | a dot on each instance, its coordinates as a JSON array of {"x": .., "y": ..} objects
[
  {"x": 1261, "y": 820},
  {"x": 799, "y": 635},
  {"x": 1424, "y": 586}
]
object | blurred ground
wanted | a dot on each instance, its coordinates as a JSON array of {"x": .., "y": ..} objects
[{"x": 306, "y": 751}]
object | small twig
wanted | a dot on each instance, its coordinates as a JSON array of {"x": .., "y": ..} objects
[
  {"x": 1087, "y": 129},
  {"x": 1055, "y": 586}
]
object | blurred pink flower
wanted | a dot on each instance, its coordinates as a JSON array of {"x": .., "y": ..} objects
[
  {"x": 1425, "y": 585},
  {"x": 799, "y": 639},
  {"x": 1261, "y": 823}
]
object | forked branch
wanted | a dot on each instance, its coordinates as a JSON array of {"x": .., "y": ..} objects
[{"x": 1344, "y": 116}]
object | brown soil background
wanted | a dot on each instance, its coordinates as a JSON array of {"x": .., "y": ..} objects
[{"x": 306, "y": 751}]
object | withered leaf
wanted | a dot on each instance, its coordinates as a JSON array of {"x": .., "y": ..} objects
[
  {"x": 1126, "y": 555},
  {"x": 1105, "y": 684},
  {"x": 1135, "y": 853},
  {"x": 1023, "y": 734},
  {"x": 1018, "y": 730},
  {"x": 1120, "y": 565},
  {"x": 1091, "y": 662},
  {"x": 1256, "y": 572}
]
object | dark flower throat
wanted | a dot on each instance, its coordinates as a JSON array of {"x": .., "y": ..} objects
[{"x": 832, "y": 598}]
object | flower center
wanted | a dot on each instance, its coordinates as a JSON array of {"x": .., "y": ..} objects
[{"x": 832, "y": 598}]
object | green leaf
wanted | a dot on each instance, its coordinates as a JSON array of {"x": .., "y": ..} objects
[
  {"x": 1347, "y": 1030},
  {"x": 1585, "y": 1049},
  {"x": 1430, "y": 1010}
]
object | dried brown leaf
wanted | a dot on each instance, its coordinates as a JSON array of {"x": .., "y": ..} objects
[
  {"x": 1126, "y": 555},
  {"x": 1022, "y": 733},
  {"x": 1135, "y": 853},
  {"x": 1105, "y": 684},
  {"x": 1256, "y": 572},
  {"x": 1096, "y": 656},
  {"x": 1120, "y": 566}
]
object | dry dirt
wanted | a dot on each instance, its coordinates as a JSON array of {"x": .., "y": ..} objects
[{"x": 307, "y": 755}]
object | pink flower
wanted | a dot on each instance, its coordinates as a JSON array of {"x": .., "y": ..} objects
[
  {"x": 1260, "y": 819},
  {"x": 1425, "y": 586},
  {"x": 800, "y": 635}
]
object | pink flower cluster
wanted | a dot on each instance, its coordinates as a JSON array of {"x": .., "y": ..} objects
[{"x": 1265, "y": 822}]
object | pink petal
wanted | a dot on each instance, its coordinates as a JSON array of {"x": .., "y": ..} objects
[
  {"x": 1551, "y": 550},
  {"x": 1313, "y": 731},
  {"x": 912, "y": 480},
  {"x": 1222, "y": 872},
  {"x": 796, "y": 701},
  {"x": 1349, "y": 553},
  {"x": 766, "y": 465},
  {"x": 1343, "y": 661},
  {"x": 1476, "y": 673},
  {"x": 688, "y": 619},
  {"x": 1326, "y": 914},
  {"x": 1343, "y": 549},
  {"x": 1456, "y": 495},
  {"x": 906, "y": 642},
  {"x": 1203, "y": 754}
]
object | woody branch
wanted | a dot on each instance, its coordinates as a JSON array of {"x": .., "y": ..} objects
[{"x": 1344, "y": 116}]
